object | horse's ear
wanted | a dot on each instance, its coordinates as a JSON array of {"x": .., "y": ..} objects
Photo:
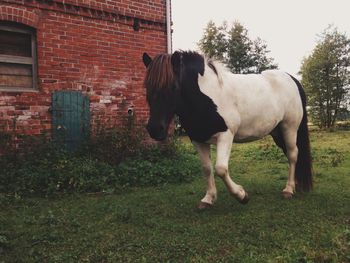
[
  {"x": 176, "y": 61},
  {"x": 146, "y": 59}
]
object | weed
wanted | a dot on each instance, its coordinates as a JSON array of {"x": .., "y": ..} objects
[
  {"x": 110, "y": 161},
  {"x": 159, "y": 224},
  {"x": 328, "y": 156},
  {"x": 265, "y": 151},
  {"x": 154, "y": 171}
]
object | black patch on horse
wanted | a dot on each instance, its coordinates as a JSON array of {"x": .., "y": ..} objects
[
  {"x": 197, "y": 112},
  {"x": 303, "y": 169}
]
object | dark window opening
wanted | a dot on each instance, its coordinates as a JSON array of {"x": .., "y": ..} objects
[{"x": 18, "y": 70}]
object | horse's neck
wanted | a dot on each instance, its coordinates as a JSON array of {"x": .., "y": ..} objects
[
  {"x": 193, "y": 101},
  {"x": 198, "y": 115}
]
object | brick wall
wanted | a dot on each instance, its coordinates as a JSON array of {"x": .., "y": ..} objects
[{"x": 85, "y": 45}]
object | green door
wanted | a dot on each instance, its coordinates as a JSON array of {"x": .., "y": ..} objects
[{"x": 70, "y": 117}]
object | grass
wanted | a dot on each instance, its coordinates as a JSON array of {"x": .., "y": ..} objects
[{"x": 160, "y": 224}]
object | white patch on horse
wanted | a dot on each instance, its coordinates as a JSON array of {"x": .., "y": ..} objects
[{"x": 242, "y": 98}]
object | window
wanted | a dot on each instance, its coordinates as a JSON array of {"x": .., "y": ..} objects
[{"x": 18, "y": 71}]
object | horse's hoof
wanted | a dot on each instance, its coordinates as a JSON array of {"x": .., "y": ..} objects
[
  {"x": 287, "y": 195},
  {"x": 245, "y": 199},
  {"x": 203, "y": 206}
]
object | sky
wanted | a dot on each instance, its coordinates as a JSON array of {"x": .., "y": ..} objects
[{"x": 290, "y": 28}]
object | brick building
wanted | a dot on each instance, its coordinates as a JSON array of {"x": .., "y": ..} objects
[{"x": 90, "y": 48}]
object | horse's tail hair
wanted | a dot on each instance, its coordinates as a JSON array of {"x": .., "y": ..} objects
[{"x": 303, "y": 171}]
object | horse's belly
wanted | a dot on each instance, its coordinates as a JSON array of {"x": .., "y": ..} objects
[
  {"x": 254, "y": 130},
  {"x": 245, "y": 139}
]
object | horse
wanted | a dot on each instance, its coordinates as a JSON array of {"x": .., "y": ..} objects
[{"x": 217, "y": 107}]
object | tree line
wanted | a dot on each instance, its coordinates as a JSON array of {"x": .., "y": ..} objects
[{"x": 325, "y": 73}]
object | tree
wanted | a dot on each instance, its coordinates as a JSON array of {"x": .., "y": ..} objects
[
  {"x": 213, "y": 40},
  {"x": 239, "y": 49},
  {"x": 261, "y": 60},
  {"x": 326, "y": 77},
  {"x": 234, "y": 47}
]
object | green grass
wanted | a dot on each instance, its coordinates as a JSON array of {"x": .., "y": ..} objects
[{"x": 160, "y": 224}]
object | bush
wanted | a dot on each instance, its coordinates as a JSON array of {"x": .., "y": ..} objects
[
  {"x": 266, "y": 151},
  {"x": 150, "y": 171},
  {"x": 115, "y": 144},
  {"x": 107, "y": 163},
  {"x": 59, "y": 173},
  {"x": 343, "y": 125},
  {"x": 328, "y": 156}
]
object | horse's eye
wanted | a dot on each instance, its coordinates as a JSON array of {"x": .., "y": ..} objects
[
  {"x": 173, "y": 86},
  {"x": 153, "y": 96}
]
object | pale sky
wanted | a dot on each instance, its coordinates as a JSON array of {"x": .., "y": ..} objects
[{"x": 290, "y": 28}]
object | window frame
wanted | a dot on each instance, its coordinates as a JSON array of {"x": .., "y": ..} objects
[{"x": 19, "y": 28}]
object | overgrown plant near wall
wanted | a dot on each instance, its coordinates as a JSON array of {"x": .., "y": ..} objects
[
  {"x": 160, "y": 164},
  {"x": 110, "y": 161},
  {"x": 112, "y": 145}
]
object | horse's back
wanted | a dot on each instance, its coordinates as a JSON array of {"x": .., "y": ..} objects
[
  {"x": 273, "y": 89},
  {"x": 288, "y": 93},
  {"x": 280, "y": 82},
  {"x": 252, "y": 105},
  {"x": 263, "y": 101}
]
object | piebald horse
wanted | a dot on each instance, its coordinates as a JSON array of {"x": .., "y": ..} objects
[{"x": 218, "y": 107}]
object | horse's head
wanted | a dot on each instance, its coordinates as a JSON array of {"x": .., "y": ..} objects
[
  {"x": 162, "y": 92},
  {"x": 170, "y": 80}
]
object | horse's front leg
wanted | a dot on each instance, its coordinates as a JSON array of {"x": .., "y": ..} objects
[
  {"x": 224, "y": 145},
  {"x": 210, "y": 196}
]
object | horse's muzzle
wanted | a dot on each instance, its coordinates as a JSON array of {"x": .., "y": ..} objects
[{"x": 157, "y": 132}]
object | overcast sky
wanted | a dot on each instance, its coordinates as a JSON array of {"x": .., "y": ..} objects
[{"x": 290, "y": 28}]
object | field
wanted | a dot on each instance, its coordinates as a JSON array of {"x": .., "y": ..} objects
[{"x": 161, "y": 224}]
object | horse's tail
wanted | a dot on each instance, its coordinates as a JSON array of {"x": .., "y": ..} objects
[{"x": 303, "y": 171}]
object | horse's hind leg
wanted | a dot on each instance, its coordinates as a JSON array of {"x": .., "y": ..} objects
[
  {"x": 224, "y": 145},
  {"x": 290, "y": 143},
  {"x": 278, "y": 138},
  {"x": 210, "y": 196}
]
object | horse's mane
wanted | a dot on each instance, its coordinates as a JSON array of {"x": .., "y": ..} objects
[
  {"x": 159, "y": 73},
  {"x": 219, "y": 68},
  {"x": 211, "y": 65}
]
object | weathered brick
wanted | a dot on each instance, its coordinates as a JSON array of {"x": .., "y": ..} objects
[{"x": 87, "y": 48}]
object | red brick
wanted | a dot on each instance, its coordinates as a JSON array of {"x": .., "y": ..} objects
[{"x": 97, "y": 55}]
